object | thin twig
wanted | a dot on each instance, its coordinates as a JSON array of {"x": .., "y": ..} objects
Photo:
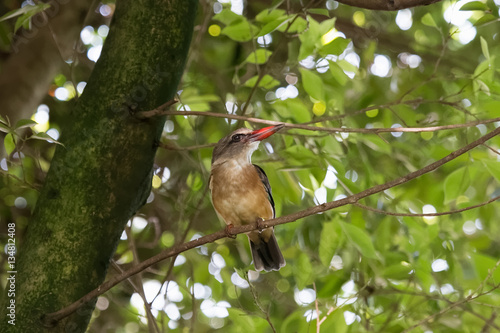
[
  {"x": 318, "y": 322},
  {"x": 327, "y": 129},
  {"x": 171, "y": 147},
  {"x": 257, "y": 302},
  {"x": 159, "y": 111},
  {"x": 492, "y": 149},
  {"x": 455, "y": 211},
  {"x": 140, "y": 291},
  {"x": 152, "y": 324}
]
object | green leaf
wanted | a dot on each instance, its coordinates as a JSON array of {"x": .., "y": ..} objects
[
  {"x": 9, "y": 143},
  {"x": 491, "y": 106},
  {"x": 382, "y": 233},
  {"x": 3, "y": 120},
  {"x": 5, "y": 37},
  {"x": 241, "y": 31},
  {"x": 397, "y": 272},
  {"x": 335, "y": 47},
  {"x": 337, "y": 73},
  {"x": 319, "y": 11},
  {"x": 298, "y": 111},
  {"x": 14, "y": 13},
  {"x": 493, "y": 168},
  {"x": 259, "y": 57},
  {"x": 271, "y": 26},
  {"x": 313, "y": 84},
  {"x": 227, "y": 17},
  {"x": 267, "y": 16},
  {"x": 428, "y": 20},
  {"x": 486, "y": 18},
  {"x": 294, "y": 323},
  {"x": 23, "y": 123},
  {"x": 29, "y": 9},
  {"x": 303, "y": 271},
  {"x": 456, "y": 184},
  {"x": 484, "y": 265},
  {"x": 360, "y": 239},
  {"x": 194, "y": 99},
  {"x": 299, "y": 25},
  {"x": 241, "y": 320},
  {"x": 309, "y": 39},
  {"x": 44, "y": 137},
  {"x": 272, "y": 20},
  {"x": 474, "y": 5},
  {"x": 335, "y": 322},
  {"x": 266, "y": 82},
  {"x": 293, "y": 109},
  {"x": 4, "y": 128},
  {"x": 347, "y": 66},
  {"x": 194, "y": 181},
  {"x": 328, "y": 242},
  {"x": 24, "y": 19},
  {"x": 484, "y": 48}
]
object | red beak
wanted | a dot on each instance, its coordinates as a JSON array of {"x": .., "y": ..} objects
[{"x": 261, "y": 134}]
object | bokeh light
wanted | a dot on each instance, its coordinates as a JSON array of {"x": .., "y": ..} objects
[
  {"x": 439, "y": 265},
  {"x": 404, "y": 19},
  {"x": 381, "y": 66}
]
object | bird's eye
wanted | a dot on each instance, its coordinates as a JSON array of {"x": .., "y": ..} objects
[{"x": 237, "y": 137}]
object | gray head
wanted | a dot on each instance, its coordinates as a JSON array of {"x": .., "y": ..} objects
[{"x": 241, "y": 143}]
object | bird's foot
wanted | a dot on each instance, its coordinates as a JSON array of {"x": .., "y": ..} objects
[
  {"x": 229, "y": 232},
  {"x": 260, "y": 224}
]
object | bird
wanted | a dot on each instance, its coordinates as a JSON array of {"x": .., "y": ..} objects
[{"x": 241, "y": 193}]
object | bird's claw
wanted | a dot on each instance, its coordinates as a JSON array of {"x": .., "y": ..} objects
[
  {"x": 260, "y": 224},
  {"x": 229, "y": 233}
]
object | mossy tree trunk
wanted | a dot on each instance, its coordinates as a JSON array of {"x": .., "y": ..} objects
[{"x": 102, "y": 175}]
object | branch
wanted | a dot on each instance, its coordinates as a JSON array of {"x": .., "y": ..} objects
[
  {"x": 159, "y": 111},
  {"x": 380, "y": 211},
  {"x": 326, "y": 129},
  {"x": 259, "y": 305},
  {"x": 387, "y": 4},
  {"x": 172, "y": 147},
  {"x": 52, "y": 318}
]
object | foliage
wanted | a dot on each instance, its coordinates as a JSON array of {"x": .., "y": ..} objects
[
  {"x": 24, "y": 15},
  {"x": 374, "y": 267}
]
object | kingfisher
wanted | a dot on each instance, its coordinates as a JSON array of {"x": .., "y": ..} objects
[{"x": 241, "y": 193}]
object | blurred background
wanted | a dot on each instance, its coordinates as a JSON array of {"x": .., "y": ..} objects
[{"x": 322, "y": 63}]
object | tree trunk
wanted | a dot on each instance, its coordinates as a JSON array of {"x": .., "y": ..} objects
[{"x": 102, "y": 175}]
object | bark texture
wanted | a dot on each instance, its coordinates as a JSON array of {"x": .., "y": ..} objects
[{"x": 102, "y": 175}]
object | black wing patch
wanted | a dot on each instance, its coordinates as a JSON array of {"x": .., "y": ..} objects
[{"x": 267, "y": 186}]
